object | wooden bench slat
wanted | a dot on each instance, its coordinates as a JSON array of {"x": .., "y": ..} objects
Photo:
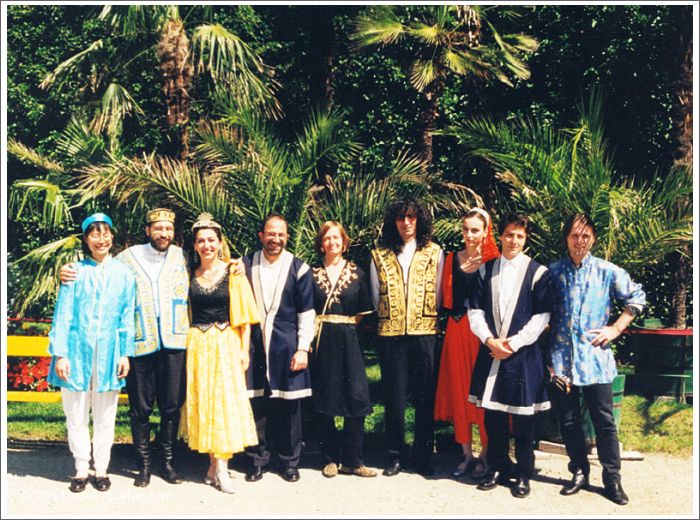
[{"x": 30, "y": 346}]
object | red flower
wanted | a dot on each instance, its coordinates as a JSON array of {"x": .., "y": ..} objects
[{"x": 28, "y": 373}]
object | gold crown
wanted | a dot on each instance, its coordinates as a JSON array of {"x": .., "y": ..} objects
[{"x": 160, "y": 214}]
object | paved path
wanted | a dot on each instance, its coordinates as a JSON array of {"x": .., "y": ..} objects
[{"x": 38, "y": 475}]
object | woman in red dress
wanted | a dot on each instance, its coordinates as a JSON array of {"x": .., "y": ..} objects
[{"x": 461, "y": 345}]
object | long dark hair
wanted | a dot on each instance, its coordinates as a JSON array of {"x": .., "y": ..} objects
[{"x": 399, "y": 209}]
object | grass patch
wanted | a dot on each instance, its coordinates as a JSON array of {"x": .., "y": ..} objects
[
  {"x": 647, "y": 426},
  {"x": 656, "y": 426},
  {"x": 46, "y": 421}
]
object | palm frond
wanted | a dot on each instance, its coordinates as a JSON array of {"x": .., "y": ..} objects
[
  {"x": 157, "y": 178},
  {"x": 423, "y": 73},
  {"x": 377, "y": 25},
  {"x": 550, "y": 175},
  {"x": 231, "y": 61},
  {"x": 30, "y": 156},
  {"x": 115, "y": 105},
  {"x": 219, "y": 142},
  {"x": 324, "y": 139},
  {"x": 69, "y": 67},
  {"x": 430, "y": 34},
  {"x": 44, "y": 198},
  {"x": 82, "y": 143},
  {"x": 41, "y": 266},
  {"x": 133, "y": 20}
]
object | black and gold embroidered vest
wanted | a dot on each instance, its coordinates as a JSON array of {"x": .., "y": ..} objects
[{"x": 413, "y": 314}]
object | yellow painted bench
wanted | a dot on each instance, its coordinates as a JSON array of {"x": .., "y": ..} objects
[{"x": 35, "y": 346}]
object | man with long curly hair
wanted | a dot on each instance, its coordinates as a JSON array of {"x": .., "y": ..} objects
[{"x": 405, "y": 276}]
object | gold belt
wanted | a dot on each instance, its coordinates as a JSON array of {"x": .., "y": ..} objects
[
  {"x": 335, "y": 318},
  {"x": 330, "y": 318}
]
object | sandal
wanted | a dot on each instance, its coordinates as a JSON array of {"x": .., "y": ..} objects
[{"x": 210, "y": 477}]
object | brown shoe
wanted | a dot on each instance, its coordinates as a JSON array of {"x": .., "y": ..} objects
[
  {"x": 330, "y": 470},
  {"x": 360, "y": 471}
]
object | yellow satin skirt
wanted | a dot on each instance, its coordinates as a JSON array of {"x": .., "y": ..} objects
[{"x": 217, "y": 416}]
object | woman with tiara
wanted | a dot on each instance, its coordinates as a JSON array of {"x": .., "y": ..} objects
[
  {"x": 461, "y": 346},
  {"x": 218, "y": 419}
]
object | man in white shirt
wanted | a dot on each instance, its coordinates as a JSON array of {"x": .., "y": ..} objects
[
  {"x": 278, "y": 376},
  {"x": 405, "y": 277},
  {"x": 509, "y": 308}
]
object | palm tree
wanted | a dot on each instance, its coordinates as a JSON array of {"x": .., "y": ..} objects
[
  {"x": 448, "y": 40},
  {"x": 50, "y": 202},
  {"x": 680, "y": 262},
  {"x": 550, "y": 174},
  {"x": 360, "y": 200},
  {"x": 242, "y": 171},
  {"x": 136, "y": 30}
]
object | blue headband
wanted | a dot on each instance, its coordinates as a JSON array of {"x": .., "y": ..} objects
[{"x": 97, "y": 217}]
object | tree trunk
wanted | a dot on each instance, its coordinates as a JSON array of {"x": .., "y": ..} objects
[
  {"x": 680, "y": 264},
  {"x": 428, "y": 118},
  {"x": 322, "y": 54},
  {"x": 174, "y": 56}
]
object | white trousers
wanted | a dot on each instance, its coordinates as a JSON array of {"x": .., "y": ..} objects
[{"x": 76, "y": 406}]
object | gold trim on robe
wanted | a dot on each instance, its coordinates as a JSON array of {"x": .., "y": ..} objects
[{"x": 173, "y": 287}]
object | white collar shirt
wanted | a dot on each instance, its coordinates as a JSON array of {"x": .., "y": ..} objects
[
  {"x": 507, "y": 276},
  {"x": 269, "y": 278},
  {"x": 152, "y": 261},
  {"x": 405, "y": 257}
]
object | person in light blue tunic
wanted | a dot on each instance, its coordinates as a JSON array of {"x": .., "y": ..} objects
[
  {"x": 584, "y": 288},
  {"x": 90, "y": 341}
]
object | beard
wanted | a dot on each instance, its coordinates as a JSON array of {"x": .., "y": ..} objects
[{"x": 161, "y": 246}]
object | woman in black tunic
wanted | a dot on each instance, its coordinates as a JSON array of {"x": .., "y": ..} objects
[{"x": 339, "y": 381}]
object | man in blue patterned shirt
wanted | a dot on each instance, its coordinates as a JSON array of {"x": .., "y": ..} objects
[{"x": 584, "y": 288}]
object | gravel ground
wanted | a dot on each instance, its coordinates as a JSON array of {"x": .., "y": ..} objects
[{"x": 37, "y": 478}]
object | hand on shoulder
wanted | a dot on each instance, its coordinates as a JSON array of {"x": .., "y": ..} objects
[{"x": 236, "y": 266}]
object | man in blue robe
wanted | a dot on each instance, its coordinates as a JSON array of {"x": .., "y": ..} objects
[
  {"x": 509, "y": 308},
  {"x": 278, "y": 375}
]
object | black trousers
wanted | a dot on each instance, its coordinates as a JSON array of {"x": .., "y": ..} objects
[
  {"x": 599, "y": 399},
  {"x": 497, "y": 430},
  {"x": 407, "y": 365},
  {"x": 157, "y": 377},
  {"x": 345, "y": 447},
  {"x": 278, "y": 423}
]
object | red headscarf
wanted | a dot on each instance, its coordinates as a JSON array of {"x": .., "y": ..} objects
[{"x": 489, "y": 251}]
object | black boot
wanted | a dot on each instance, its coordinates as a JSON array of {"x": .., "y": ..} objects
[
  {"x": 141, "y": 435},
  {"x": 168, "y": 432}
]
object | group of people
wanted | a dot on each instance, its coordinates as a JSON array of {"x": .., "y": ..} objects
[{"x": 229, "y": 349}]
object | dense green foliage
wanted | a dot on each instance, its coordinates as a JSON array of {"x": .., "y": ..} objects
[{"x": 625, "y": 50}]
